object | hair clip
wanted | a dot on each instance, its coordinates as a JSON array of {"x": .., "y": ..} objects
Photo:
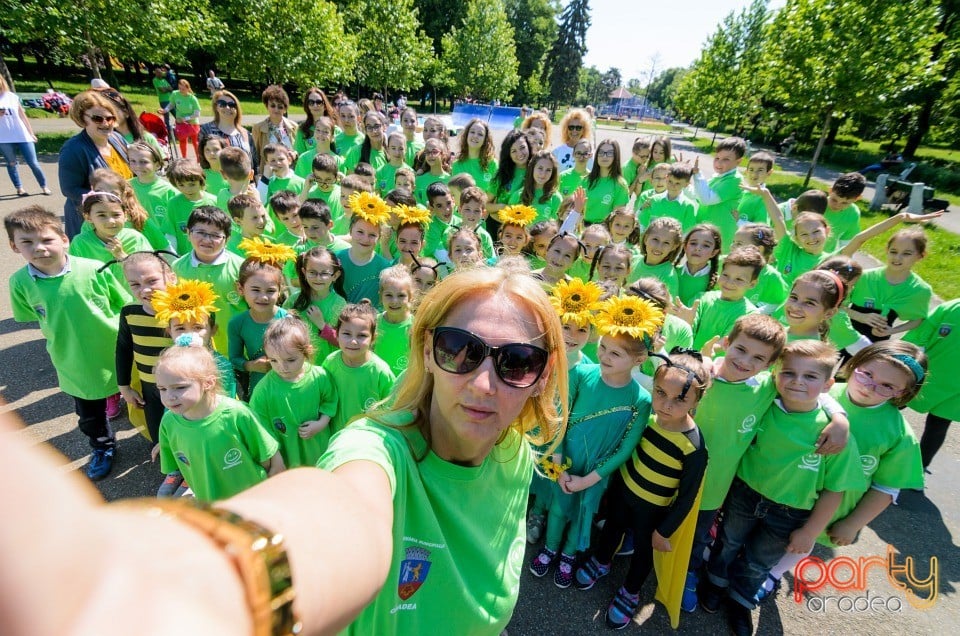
[
  {"x": 95, "y": 193},
  {"x": 156, "y": 253}
]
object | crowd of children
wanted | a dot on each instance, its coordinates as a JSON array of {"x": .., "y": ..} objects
[{"x": 246, "y": 318}]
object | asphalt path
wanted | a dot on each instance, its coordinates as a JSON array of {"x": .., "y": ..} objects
[{"x": 922, "y": 526}]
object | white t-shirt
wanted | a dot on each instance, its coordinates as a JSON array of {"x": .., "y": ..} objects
[{"x": 12, "y": 128}]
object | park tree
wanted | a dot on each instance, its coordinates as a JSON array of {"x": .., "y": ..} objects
[
  {"x": 565, "y": 59},
  {"x": 830, "y": 58},
  {"x": 481, "y": 54},
  {"x": 534, "y": 25},
  {"x": 300, "y": 42},
  {"x": 438, "y": 17},
  {"x": 611, "y": 80},
  {"x": 591, "y": 89},
  {"x": 664, "y": 86},
  {"x": 393, "y": 51}
]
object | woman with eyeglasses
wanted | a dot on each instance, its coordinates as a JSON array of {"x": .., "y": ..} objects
[
  {"x": 276, "y": 128},
  {"x": 227, "y": 124},
  {"x": 128, "y": 124},
  {"x": 17, "y": 134},
  {"x": 574, "y": 126},
  {"x": 97, "y": 145},
  {"x": 315, "y": 105}
]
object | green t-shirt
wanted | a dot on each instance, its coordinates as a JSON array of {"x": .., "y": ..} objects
[
  {"x": 386, "y": 176},
  {"x": 79, "y": 315},
  {"x": 570, "y": 180},
  {"x": 545, "y": 211},
  {"x": 752, "y": 209},
  {"x": 215, "y": 182},
  {"x": 910, "y": 300},
  {"x": 502, "y": 196},
  {"x": 163, "y": 96},
  {"x": 222, "y": 274},
  {"x": 771, "y": 290},
  {"x": 605, "y": 195},
  {"x": 435, "y": 237},
  {"x": 362, "y": 281},
  {"x": 178, "y": 213},
  {"x": 413, "y": 148},
  {"x": 304, "y": 165},
  {"x": 682, "y": 209},
  {"x": 724, "y": 213},
  {"x": 245, "y": 341},
  {"x": 676, "y": 333},
  {"x": 715, "y": 317},
  {"x": 352, "y": 157},
  {"x": 783, "y": 464},
  {"x": 728, "y": 416},
  {"x": 458, "y": 532},
  {"x": 475, "y": 170},
  {"x": 889, "y": 451},
  {"x": 89, "y": 245},
  {"x": 220, "y": 455},
  {"x": 393, "y": 343},
  {"x": 155, "y": 197},
  {"x": 664, "y": 271},
  {"x": 423, "y": 181},
  {"x": 939, "y": 335},
  {"x": 283, "y": 406},
  {"x": 330, "y": 307},
  {"x": 358, "y": 388},
  {"x": 630, "y": 170},
  {"x": 186, "y": 106},
  {"x": 844, "y": 225},
  {"x": 792, "y": 260},
  {"x": 692, "y": 285},
  {"x": 344, "y": 142}
]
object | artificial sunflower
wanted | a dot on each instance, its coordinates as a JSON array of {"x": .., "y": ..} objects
[
  {"x": 628, "y": 315},
  {"x": 575, "y": 300},
  {"x": 551, "y": 469},
  {"x": 413, "y": 214},
  {"x": 522, "y": 215},
  {"x": 369, "y": 207},
  {"x": 187, "y": 301},
  {"x": 276, "y": 254}
]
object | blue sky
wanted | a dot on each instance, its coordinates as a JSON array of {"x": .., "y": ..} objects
[{"x": 674, "y": 30}]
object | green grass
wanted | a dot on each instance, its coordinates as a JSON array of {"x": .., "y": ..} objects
[
  {"x": 923, "y": 152},
  {"x": 50, "y": 143}
]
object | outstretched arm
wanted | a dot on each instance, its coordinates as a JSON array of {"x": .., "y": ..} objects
[
  {"x": 875, "y": 230},
  {"x": 773, "y": 210}
]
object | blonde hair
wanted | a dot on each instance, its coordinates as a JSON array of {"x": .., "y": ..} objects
[
  {"x": 194, "y": 362},
  {"x": 576, "y": 115},
  {"x": 291, "y": 332},
  {"x": 543, "y": 417},
  {"x": 87, "y": 100}
]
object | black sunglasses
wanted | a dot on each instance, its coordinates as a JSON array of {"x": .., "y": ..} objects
[
  {"x": 457, "y": 351},
  {"x": 315, "y": 102},
  {"x": 225, "y": 104},
  {"x": 574, "y": 127}
]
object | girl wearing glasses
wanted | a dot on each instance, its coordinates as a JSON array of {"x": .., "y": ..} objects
[
  {"x": 228, "y": 124},
  {"x": 574, "y": 126},
  {"x": 605, "y": 186},
  {"x": 881, "y": 379},
  {"x": 98, "y": 145},
  {"x": 445, "y": 469}
]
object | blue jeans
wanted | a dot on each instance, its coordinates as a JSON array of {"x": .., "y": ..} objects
[
  {"x": 754, "y": 535},
  {"x": 26, "y": 148}
]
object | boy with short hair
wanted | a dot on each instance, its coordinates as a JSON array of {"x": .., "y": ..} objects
[
  {"x": 317, "y": 223},
  {"x": 405, "y": 179},
  {"x": 720, "y": 196},
  {"x": 658, "y": 181},
  {"x": 440, "y": 203},
  {"x": 473, "y": 212},
  {"x": 350, "y": 185},
  {"x": 189, "y": 179},
  {"x": 237, "y": 171},
  {"x": 78, "y": 308},
  {"x": 842, "y": 212},
  {"x": 361, "y": 264},
  {"x": 249, "y": 216},
  {"x": 673, "y": 203},
  {"x": 810, "y": 201},
  {"x": 752, "y": 209},
  {"x": 785, "y": 493},
  {"x": 208, "y": 260},
  {"x": 366, "y": 172},
  {"x": 286, "y": 206},
  {"x": 322, "y": 184},
  {"x": 716, "y": 311},
  {"x": 277, "y": 174},
  {"x": 458, "y": 183}
]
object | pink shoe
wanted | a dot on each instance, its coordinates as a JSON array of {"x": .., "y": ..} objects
[{"x": 113, "y": 407}]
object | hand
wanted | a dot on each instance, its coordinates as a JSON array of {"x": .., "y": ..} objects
[
  {"x": 155, "y": 452},
  {"x": 316, "y": 317},
  {"x": 311, "y": 427},
  {"x": 268, "y": 171},
  {"x": 579, "y": 200},
  {"x": 833, "y": 439},
  {"x": 907, "y": 217},
  {"x": 683, "y": 312},
  {"x": 712, "y": 347},
  {"x": 116, "y": 248},
  {"x": 661, "y": 543},
  {"x": 563, "y": 480},
  {"x": 309, "y": 182},
  {"x": 659, "y": 341},
  {"x": 260, "y": 365},
  {"x": 646, "y": 204},
  {"x": 843, "y": 532},
  {"x": 757, "y": 189},
  {"x": 678, "y": 158},
  {"x": 875, "y": 321},
  {"x": 132, "y": 397},
  {"x": 801, "y": 542},
  {"x": 696, "y": 166},
  {"x": 882, "y": 332}
]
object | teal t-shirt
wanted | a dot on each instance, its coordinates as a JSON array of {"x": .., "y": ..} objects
[
  {"x": 245, "y": 341},
  {"x": 220, "y": 455},
  {"x": 358, "y": 388},
  {"x": 458, "y": 531},
  {"x": 362, "y": 281}
]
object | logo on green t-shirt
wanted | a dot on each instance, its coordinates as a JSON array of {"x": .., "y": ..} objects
[
  {"x": 232, "y": 458},
  {"x": 748, "y": 424},
  {"x": 810, "y": 461},
  {"x": 869, "y": 464},
  {"x": 413, "y": 572},
  {"x": 41, "y": 312}
]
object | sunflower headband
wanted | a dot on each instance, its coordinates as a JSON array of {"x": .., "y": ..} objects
[
  {"x": 369, "y": 207},
  {"x": 276, "y": 254},
  {"x": 187, "y": 301},
  {"x": 412, "y": 215},
  {"x": 522, "y": 215},
  {"x": 575, "y": 301},
  {"x": 629, "y": 316}
]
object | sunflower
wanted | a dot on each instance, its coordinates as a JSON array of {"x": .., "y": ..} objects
[
  {"x": 369, "y": 207},
  {"x": 412, "y": 214},
  {"x": 551, "y": 469},
  {"x": 522, "y": 215},
  {"x": 575, "y": 300},
  {"x": 187, "y": 301},
  {"x": 276, "y": 254},
  {"x": 628, "y": 315}
]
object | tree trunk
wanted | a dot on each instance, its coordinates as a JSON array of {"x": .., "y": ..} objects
[
  {"x": 91, "y": 54},
  {"x": 108, "y": 74},
  {"x": 919, "y": 129},
  {"x": 823, "y": 138}
]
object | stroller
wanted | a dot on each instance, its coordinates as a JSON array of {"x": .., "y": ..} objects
[{"x": 155, "y": 126}]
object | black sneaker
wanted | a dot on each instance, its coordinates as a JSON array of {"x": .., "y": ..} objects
[
  {"x": 101, "y": 463},
  {"x": 739, "y": 618},
  {"x": 711, "y": 596}
]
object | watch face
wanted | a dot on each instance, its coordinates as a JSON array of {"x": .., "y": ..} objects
[{"x": 279, "y": 425}]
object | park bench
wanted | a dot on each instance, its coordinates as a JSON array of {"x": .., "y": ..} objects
[
  {"x": 678, "y": 127},
  {"x": 900, "y": 192},
  {"x": 630, "y": 124}
]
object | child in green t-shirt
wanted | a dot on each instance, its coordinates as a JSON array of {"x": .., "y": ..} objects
[
  {"x": 604, "y": 186},
  {"x": 322, "y": 147},
  {"x": 752, "y": 208},
  {"x": 636, "y": 172},
  {"x": 540, "y": 186},
  {"x": 249, "y": 216},
  {"x": 319, "y": 300},
  {"x": 720, "y": 196},
  {"x": 699, "y": 269},
  {"x": 210, "y": 162},
  {"x": 361, "y": 263},
  {"x": 660, "y": 244},
  {"x": 285, "y": 206},
  {"x": 109, "y": 241},
  {"x": 473, "y": 212},
  {"x": 842, "y": 213},
  {"x": 153, "y": 191},
  {"x": 296, "y": 399},
  {"x": 672, "y": 202},
  {"x": 785, "y": 493},
  {"x": 78, "y": 307},
  {"x": 396, "y": 150},
  {"x": 397, "y": 295},
  {"x": 435, "y": 156},
  {"x": 277, "y": 173},
  {"x": 658, "y": 185},
  {"x": 771, "y": 290},
  {"x": 573, "y": 178},
  {"x": 189, "y": 179},
  {"x": 219, "y": 445}
]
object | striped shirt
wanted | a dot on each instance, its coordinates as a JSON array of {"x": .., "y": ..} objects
[{"x": 140, "y": 340}]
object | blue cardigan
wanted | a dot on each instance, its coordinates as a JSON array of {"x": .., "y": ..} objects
[{"x": 79, "y": 157}]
